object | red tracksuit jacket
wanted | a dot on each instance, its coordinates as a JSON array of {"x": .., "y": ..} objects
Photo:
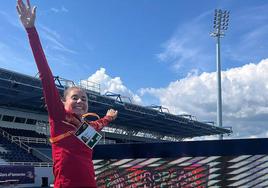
[{"x": 73, "y": 166}]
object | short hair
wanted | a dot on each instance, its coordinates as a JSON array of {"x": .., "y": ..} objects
[{"x": 67, "y": 91}]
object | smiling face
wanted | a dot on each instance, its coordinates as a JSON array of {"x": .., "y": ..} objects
[{"x": 76, "y": 101}]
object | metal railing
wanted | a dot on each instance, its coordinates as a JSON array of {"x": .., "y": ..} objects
[
  {"x": 29, "y": 139},
  {"x": 35, "y": 164},
  {"x": 20, "y": 142}
]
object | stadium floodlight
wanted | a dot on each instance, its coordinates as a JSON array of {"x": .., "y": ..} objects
[
  {"x": 221, "y": 22},
  {"x": 220, "y": 25}
]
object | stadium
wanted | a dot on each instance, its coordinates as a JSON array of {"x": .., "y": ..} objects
[
  {"x": 47, "y": 131},
  {"x": 143, "y": 147}
]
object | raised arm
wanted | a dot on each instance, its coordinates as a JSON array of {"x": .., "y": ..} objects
[{"x": 27, "y": 15}]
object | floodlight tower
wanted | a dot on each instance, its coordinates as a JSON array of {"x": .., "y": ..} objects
[{"x": 221, "y": 19}]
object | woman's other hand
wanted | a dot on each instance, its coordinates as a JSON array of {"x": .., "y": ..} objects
[{"x": 112, "y": 113}]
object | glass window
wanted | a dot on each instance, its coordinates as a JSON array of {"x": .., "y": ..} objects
[
  {"x": 8, "y": 118},
  {"x": 31, "y": 121},
  {"x": 20, "y": 120}
]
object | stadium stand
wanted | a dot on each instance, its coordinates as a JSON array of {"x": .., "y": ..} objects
[
  {"x": 14, "y": 153},
  {"x": 23, "y": 133},
  {"x": 135, "y": 123}
]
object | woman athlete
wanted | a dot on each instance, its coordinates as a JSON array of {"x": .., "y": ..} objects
[{"x": 72, "y": 159}]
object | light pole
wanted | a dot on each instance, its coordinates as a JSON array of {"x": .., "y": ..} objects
[{"x": 221, "y": 19}]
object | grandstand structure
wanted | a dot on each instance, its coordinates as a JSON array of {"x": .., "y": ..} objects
[{"x": 21, "y": 95}]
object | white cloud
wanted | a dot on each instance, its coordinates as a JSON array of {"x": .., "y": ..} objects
[
  {"x": 54, "y": 10},
  {"x": 245, "y": 98},
  {"x": 58, "y": 10},
  {"x": 213, "y": 137},
  {"x": 11, "y": 19},
  {"x": 10, "y": 58},
  {"x": 247, "y": 42},
  {"x": 54, "y": 40},
  {"x": 114, "y": 85},
  {"x": 187, "y": 45},
  {"x": 56, "y": 50},
  {"x": 244, "y": 91},
  {"x": 191, "y": 47}
]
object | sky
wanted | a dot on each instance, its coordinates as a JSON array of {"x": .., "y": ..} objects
[{"x": 156, "y": 52}]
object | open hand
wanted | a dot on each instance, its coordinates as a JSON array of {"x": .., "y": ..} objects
[
  {"x": 112, "y": 113},
  {"x": 26, "y": 13}
]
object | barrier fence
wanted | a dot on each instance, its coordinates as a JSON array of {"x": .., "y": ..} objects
[{"x": 219, "y": 163}]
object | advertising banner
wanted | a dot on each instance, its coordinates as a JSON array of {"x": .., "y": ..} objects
[
  {"x": 16, "y": 174},
  {"x": 193, "y": 176}
]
